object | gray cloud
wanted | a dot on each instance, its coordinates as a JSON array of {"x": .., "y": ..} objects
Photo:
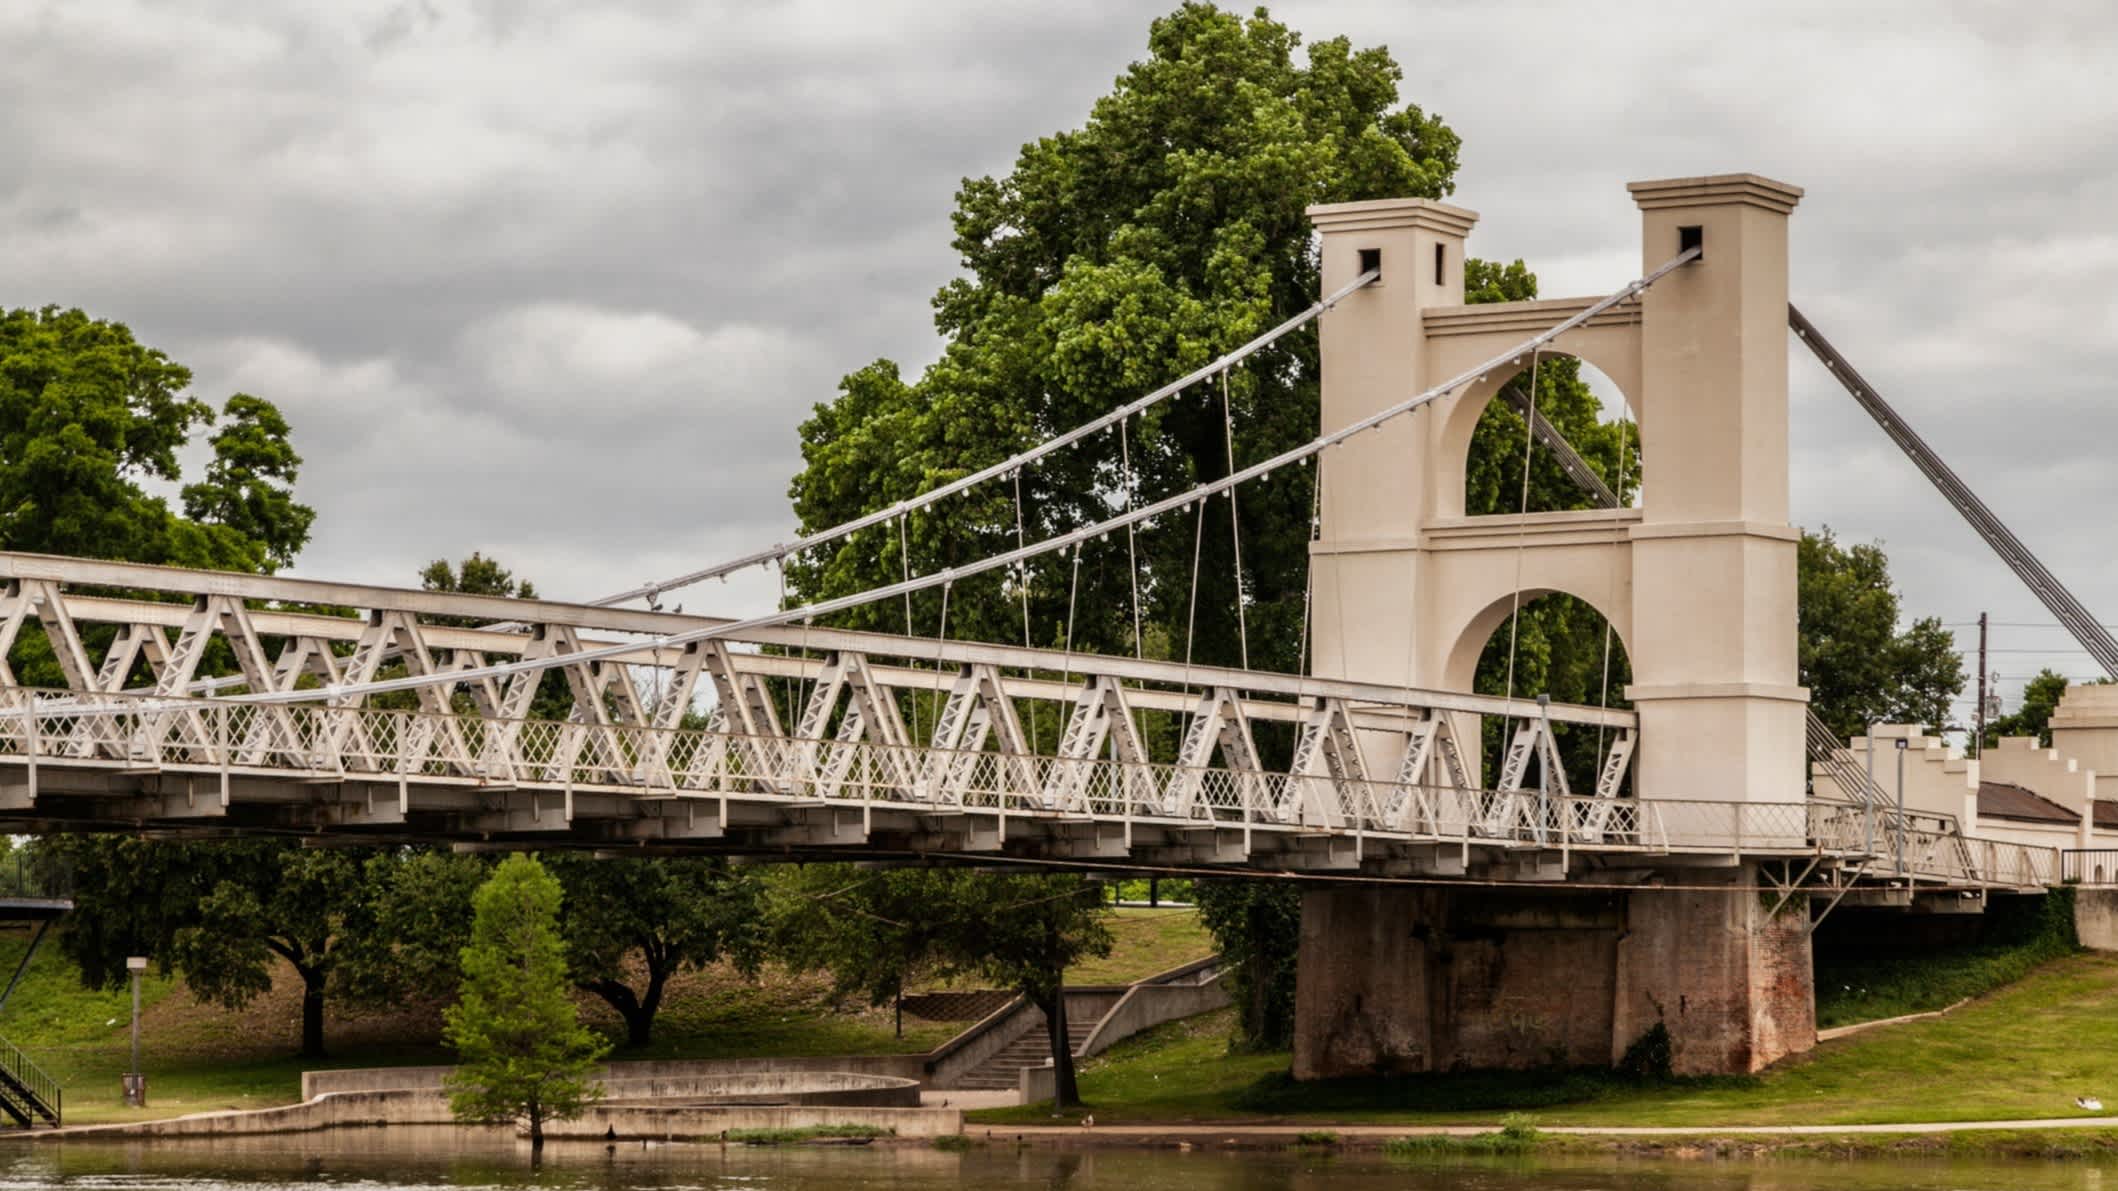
[{"x": 558, "y": 281}]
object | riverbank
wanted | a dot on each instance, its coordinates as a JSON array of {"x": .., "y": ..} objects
[
  {"x": 2024, "y": 1052},
  {"x": 2082, "y": 1138},
  {"x": 201, "y": 1057}
]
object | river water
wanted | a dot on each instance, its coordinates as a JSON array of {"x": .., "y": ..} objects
[{"x": 366, "y": 1162}]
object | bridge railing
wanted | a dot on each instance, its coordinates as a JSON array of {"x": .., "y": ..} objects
[
  {"x": 140, "y": 732},
  {"x": 129, "y": 732}
]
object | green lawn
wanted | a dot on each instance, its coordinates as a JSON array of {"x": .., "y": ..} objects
[
  {"x": 1146, "y": 942},
  {"x": 2024, "y": 1052},
  {"x": 202, "y": 1057}
]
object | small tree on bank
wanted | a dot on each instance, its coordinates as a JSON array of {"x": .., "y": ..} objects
[{"x": 524, "y": 1053}]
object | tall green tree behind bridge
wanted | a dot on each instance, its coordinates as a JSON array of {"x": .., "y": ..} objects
[{"x": 1114, "y": 257}]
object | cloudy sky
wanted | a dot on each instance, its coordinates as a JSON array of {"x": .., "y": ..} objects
[{"x": 557, "y": 281}]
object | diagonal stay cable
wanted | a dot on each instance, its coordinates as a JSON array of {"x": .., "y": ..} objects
[{"x": 2042, "y": 583}]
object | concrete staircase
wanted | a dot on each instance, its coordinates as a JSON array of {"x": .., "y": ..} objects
[{"x": 1003, "y": 1071}]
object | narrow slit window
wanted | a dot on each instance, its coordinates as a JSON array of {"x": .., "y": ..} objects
[{"x": 1441, "y": 258}]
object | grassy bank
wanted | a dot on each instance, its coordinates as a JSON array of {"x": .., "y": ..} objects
[
  {"x": 200, "y": 1057},
  {"x": 2023, "y": 1052},
  {"x": 1870, "y": 979}
]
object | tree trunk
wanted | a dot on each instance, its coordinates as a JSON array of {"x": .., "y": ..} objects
[
  {"x": 639, "y": 1018},
  {"x": 899, "y": 1000},
  {"x": 536, "y": 1116},
  {"x": 312, "y": 1013},
  {"x": 638, "y": 1030},
  {"x": 1065, "y": 1094},
  {"x": 1257, "y": 999}
]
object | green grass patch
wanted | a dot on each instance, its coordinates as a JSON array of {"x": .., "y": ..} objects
[
  {"x": 787, "y": 1137},
  {"x": 1316, "y": 1137},
  {"x": 953, "y": 1143},
  {"x": 2024, "y": 1052},
  {"x": 1517, "y": 1134},
  {"x": 1871, "y": 983},
  {"x": 1145, "y": 942}
]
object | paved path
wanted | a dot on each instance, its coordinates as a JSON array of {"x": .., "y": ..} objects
[{"x": 1185, "y": 1131}]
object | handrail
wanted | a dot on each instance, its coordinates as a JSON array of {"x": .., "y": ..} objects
[{"x": 46, "y": 1093}]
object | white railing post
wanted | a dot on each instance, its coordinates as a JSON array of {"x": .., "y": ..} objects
[{"x": 29, "y": 741}]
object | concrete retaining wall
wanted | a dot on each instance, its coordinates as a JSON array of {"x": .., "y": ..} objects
[
  {"x": 629, "y": 1122},
  {"x": 769, "y": 1088},
  {"x": 2096, "y": 918},
  {"x": 969, "y": 1050},
  {"x": 706, "y": 1124},
  {"x": 1146, "y": 1006},
  {"x": 387, "y": 1079}
]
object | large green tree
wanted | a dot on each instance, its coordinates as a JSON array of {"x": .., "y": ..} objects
[
  {"x": 1024, "y": 932},
  {"x": 222, "y": 915},
  {"x": 525, "y": 1056},
  {"x": 2033, "y": 717},
  {"x": 637, "y": 921},
  {"x": 1170, "y": 227},
  {"x": 1860, "y": 663},
  {"x": 89, "y": 415},
  {"x": 873, "y": 931}
]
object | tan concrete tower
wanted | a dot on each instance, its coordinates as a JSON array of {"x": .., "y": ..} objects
[
  {"x": 1698, "y": 582},
  {"x": 1375, "y": 497},
  {"x": 1713, "y": 646}
]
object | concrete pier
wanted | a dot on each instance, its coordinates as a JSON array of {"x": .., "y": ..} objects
[{"x": 1396, "y": 980}]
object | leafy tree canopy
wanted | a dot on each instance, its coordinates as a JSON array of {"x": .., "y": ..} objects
[
  {"x": 1859, "y": 665},
  {"x": 221, "y": 915},
  {"x": 1170, "y": 227},
  {"x": 2040, "y": 698},
  {"x": 87, "y": 414}
]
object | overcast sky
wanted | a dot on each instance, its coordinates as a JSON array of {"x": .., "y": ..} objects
[{"x": 557, "y": 281}]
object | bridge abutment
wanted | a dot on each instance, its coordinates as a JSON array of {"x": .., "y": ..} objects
[{"x": 1398, "y": 980}]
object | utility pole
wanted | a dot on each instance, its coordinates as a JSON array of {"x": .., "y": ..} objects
[{"x": 1980, "y": 748}]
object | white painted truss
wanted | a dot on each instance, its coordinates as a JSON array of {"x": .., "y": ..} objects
[{"x": 802, "y": 740}]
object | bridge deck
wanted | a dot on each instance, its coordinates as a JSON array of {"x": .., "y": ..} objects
[{"x": 119, "y": 760}]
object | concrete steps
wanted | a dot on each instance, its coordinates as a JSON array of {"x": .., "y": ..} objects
[{"x": 1033, "y": 1049}]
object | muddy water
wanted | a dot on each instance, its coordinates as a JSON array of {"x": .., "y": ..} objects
[{"x": 443, "y": 1159}]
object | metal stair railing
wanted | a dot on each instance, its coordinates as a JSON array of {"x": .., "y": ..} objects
[{"x": 22, "y": 1075}]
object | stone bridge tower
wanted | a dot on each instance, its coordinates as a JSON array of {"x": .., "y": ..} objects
[{"x": 1698, "y": 583}]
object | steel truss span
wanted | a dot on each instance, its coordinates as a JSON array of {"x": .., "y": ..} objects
[{"x": 819, "y": 742}]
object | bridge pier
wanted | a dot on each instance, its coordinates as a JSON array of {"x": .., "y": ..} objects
[{"x": 1397, "y": 979}]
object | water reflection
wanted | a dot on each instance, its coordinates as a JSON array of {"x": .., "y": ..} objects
[{"x": 408, "y": 1161}]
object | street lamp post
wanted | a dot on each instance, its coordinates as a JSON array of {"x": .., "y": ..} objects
[{"x": 135, "y": 1082}]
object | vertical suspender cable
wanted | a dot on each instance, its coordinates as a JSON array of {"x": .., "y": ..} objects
[
  {"x": 1022, "y": 581},
  {"x": 1132, "y": 549},
  {"x": 1235, "y": 525}
]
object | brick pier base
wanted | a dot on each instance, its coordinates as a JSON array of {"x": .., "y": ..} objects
[{"x": 1397, "y": 979}]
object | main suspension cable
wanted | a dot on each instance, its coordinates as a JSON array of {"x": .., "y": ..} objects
[
  {"x": 1011, "y": 463},
  {"x": 950, "y": 575}
]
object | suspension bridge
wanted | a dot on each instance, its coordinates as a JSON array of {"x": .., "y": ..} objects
[{"x": 361, "y": 713}]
